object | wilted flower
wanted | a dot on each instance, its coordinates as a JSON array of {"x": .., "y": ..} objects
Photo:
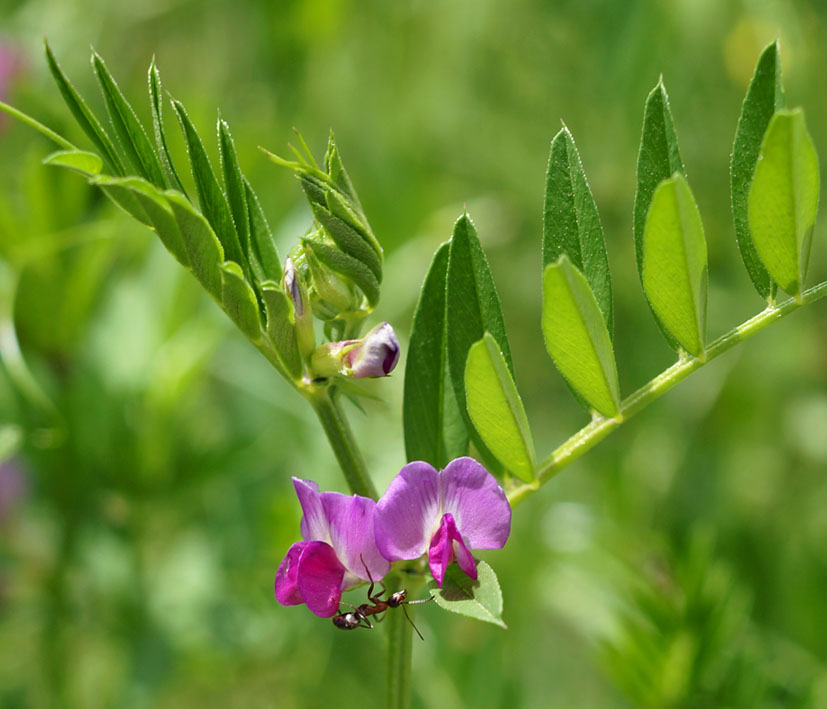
[
  {"x": 339, "y": 550},
  {"x": 375, "y": 355},
  {"x": 445, "y": 513}
]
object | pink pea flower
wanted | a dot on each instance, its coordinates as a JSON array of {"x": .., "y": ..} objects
[
  {"x": 375, "y": 355},
  {"x": 338, "y": 552},
  {"x": 445, "y": 513}
]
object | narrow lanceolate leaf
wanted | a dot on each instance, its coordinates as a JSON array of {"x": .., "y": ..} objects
[
  {"x": 348, "y": 239},
  {"x": 128, "y": 128},
  {"x": 674, "y": 264},
  {"x": 157, "y": 105},
  {"x": 280, "y": 327},
  {"x": 338, "y": 206},
  {"x": 262, "y": 244},
  {"x": 473, "y": 308},
  {"x": 234, "y": 185},
  {"x": 213, "y": 202},
  {"x": 157, "y": 208},
  {"x": 84, "y": 116},
  {"x": 659, "y": 158},
  {"x": 577, "y": 338},
  {"x": 336, "y": 170},
  {"x": 571, "y": 225},
  {"x": 434, "y": 428},
  {"x": 496, "y": 409},
  {"x": 239, "y": 300},
  {"x": 349, "y": 267},
  {"x": 78, "y": 160},
  {"x": 783, "y": 199},
  {"x": 764, "y": 97},
  {"x": 479, "y": 598},
  {"x": 203, "y": 248}
]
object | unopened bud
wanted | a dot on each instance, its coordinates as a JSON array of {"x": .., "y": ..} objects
[
  {"x": 375, "y": 355},
  {"x": 296, "y": 290}
]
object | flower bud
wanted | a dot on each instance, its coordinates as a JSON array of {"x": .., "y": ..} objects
[
  {"x": 375, "y": 355},
  {"x": 330, "y": 294},
  {"x": 297, "y": 291}
]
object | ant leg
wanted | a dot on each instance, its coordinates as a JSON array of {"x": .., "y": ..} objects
[
  {"x": 413, "y": 625},
  {"x": 373, "y": 599}
]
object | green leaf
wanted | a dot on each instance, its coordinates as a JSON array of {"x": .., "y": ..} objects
[
  {"x": 473, "y": 308},
  {"x": 84, "y": 116},
  {"x": 434, "y": 428},
  {"x": 213, "y": 202},
  {"x": 659, "y": 158},
  {"x": 336, "y": 170},
  {"x": 234, "y": 184},
  {"x": 674, "y": 264},
  {"x": 85, "y": 163},
  {"x": 347, "y": 266},
  {"x": 496, "y": 409},
  {"x": 240, "y": 301},
  {"x": 479, "y": 598},
  {"x": 571, "y": 224},
  {"x": 339, "y": 207},
  {"x": 577, "y": 338},
  {"x": 157, "y": 105},
  {"x": 161, "y": 218},
  {"x": 261, "y": 238},
  {"x": 203, "y": 248},
  {"x": 783, "y": 199},
  {"x": 127, "y": 127},
  {"x": 348, "y": 239},
  {"x": 89, "y": 165},
  {"x": 280, "y": 327},
  {"x": 764, "y": 97}
]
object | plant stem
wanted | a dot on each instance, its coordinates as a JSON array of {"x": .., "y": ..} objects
[
  {"x": 398, "y": 678},
  {"x": 600, "y": 426},
  {"x": 338, "y": 432}
]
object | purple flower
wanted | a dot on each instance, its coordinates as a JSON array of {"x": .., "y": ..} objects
[
  {"x": 375, "y": 355},
  {"x": 339, "y": 550},
  {"x": 445, "y": 513}
]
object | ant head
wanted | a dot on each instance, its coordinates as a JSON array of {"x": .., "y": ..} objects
[
  {"x": 398, "y": 598},
  {"x": 347, "y": 621}
]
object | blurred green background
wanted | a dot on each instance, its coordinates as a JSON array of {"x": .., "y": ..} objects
[{"x": 145, "y": 501}]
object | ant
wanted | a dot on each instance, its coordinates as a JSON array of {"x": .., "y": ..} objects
[{"x": 358, "y": 617}]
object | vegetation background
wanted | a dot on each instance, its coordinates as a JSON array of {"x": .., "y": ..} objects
[{"x": 682, "y": 563}]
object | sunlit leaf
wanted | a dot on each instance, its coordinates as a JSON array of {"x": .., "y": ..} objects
[
  {"x": 239, "y": 300},
  {"x": 764, "y": 97},
  {"x": 261, "y": 238},
  {"x": 84, "y": 116},
  {"x": 128, "y": 128},
  {"x": 479, "y": 598},
  {"x": 281, "y": 328},
  {"x": 234, "y": 185},
  {"x": 203, "y": 248},
  {"x": 78, "y": 160},
  {"x": 434, "y": 429},
  {"x": 783, "y": 199},
  {"x": 348, "y": 240},
  {"x": 473, "y": 309},
  {"x": 675, "y": 265},
  {"x": 213, "y": 202},
  {"x": 157, "y": 106},
  {"x": 496, "y": 409},
  {"x": 347, "y": 266},
  {"x": 571, "y": 224},
  {"x": 576, "y": 337}
]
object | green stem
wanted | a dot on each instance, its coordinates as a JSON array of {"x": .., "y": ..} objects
[
  {"x": 338, "y": 432},
  {"x": 600, "y": 427},
  {"x": 398, "y": 678}
]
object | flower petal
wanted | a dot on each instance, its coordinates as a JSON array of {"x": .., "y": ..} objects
[
  {"x": 314, "y": 525},
  {"x": 287, "y": 591},
  {"x": 446, "y": 545},
  {"x": 351, "y": 524},
  {"x": 408, "y": 512},
  {"x": 319, "y": 578},
  {"x": 479, "y": 505}
]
